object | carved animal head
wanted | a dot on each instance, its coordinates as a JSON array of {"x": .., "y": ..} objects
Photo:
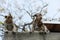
[
  {"x": 38, "y": 17},
  {"x": 9, "y": 19}
]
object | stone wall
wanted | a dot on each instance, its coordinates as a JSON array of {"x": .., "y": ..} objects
[{"x": 32, "y": 36}]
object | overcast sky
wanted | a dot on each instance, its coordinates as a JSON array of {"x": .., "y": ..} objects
[{"x": 12, "y": 5}]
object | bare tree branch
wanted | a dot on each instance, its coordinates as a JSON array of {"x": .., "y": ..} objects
[
  {"x": 2, "y": 15},
  {"x": 43, "y": 7}
]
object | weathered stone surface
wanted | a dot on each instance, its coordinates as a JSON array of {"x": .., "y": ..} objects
[{"x": 32, "y": 36}]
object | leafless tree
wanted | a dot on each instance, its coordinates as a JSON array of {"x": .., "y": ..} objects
[{"x": 30, "y": 14}]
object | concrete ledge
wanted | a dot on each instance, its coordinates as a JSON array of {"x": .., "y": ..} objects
[{"x": 32, "y": 36}]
